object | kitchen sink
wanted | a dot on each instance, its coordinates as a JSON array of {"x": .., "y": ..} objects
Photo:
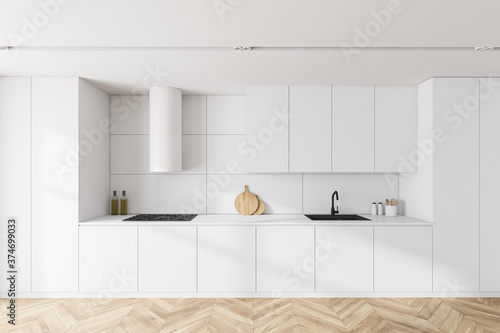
[{"x": 337, "y": 217}]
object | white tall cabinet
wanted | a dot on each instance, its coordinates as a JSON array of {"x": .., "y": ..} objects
[
  {"x": 310, "y": 129},
  {"x": 266, "y": 149},
  {"x": 69, "y": 162},
  {"x": 456, "y": 185},
  {"x": 55, "y": 163},
  {"x": 352, "y": 128},
  {"x": 395, "y": 128},
  {"x": 490, "y": 184},
  {"x": 15, "y": 173}
]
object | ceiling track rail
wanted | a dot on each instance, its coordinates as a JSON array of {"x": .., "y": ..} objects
[{"x": 239, "y": 48}]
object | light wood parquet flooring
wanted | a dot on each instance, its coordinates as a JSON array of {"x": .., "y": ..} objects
[{"x": 226, "y": 315}]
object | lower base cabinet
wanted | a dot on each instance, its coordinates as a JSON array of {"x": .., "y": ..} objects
[
  {"x": 403, "y": 259},
  {"x": 167, "y": 259},
  {"x": 108, "y": 260},
  {"x": 226, "y": 259},
  {"x": 344, "y": 259},
  {"x": 285, "y": 259}
]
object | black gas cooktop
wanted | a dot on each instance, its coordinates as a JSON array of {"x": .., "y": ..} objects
[{"x": 162, "y": 217}]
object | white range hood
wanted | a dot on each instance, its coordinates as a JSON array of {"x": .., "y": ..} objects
[{"x": 165, "y": 129}]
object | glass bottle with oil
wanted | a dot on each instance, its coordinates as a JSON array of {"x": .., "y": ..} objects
[
  {"x": 123, "y": 203},
  {"x": 114, "y": 204}
]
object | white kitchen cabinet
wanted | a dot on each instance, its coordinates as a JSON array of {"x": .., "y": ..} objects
[
  {"x": 167, "y": 259},
  {"x": 226, "y": 259},
  {"x": 310, "y": 128},
  {"x": 395, "y": 128},
  {"x": 456, "y": 185},
  {"x": 70, "y": 174},
  {"x": 285, "y": 259},
  {"x": 226, "y": 115},
  {"x": 403, "y": 259},
  {"x": 344, "y": 259},
  {"x": 352, "y": 129},
  {"x": 490, "y": 184},
  {"x": 55, "y": 184},
  {"x": 266, "y": 149},
  {"x": 108, "y": 260},
  {"x": 15, "y": 174}
]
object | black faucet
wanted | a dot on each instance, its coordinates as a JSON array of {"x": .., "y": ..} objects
[{"x": 335, "y": 195}]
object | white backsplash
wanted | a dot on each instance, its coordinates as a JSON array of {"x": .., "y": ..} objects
[{"x": 211, "y": 179}]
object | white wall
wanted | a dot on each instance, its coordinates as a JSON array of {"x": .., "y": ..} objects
[
  {"x": 416, "y": 189},
  {"x": 213, "y": 169}
]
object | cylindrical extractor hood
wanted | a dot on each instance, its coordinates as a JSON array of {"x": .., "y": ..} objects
[{"x": 165, "y": 129}]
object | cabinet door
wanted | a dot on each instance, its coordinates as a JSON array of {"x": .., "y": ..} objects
[
  {"x": 310, "y": 128},
  {"x": 490, "y": 184},
  {"x": 395, "y": 128},
  {"x": 167, "y": 259},
  {"x": 55, "y": 195},
  {"x": 344, "y": 259},
  {"x": 266, "y": 149},
  {"x": 226, "y": 259},
  {"x": 285, "y": 259},
  {"x": 108, "y": 260},
  {"x": 15, "y": 173},
  {"x": 353, "y": 128},
  {"x": 456, "y": 180},
  {"x": 403, "y": 259}
]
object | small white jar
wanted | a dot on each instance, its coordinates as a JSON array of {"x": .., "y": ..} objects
[{"x": 374, "y": 208}]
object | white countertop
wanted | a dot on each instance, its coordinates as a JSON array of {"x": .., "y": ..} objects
[{"x": 259, "y": 220}]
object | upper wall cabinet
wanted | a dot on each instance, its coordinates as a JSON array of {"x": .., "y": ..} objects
[
  {"x": 310, "y": 129},
  {"x": 331, "y": 129},
  {"x": 352, "y": 129},
  {"x": 395, "y": 128},
  {"x": 266, "y": 149}
]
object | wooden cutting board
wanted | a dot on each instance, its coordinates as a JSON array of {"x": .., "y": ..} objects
[
  {"x": 261, "y": 207},
  {"x": 246, "y": 203}
]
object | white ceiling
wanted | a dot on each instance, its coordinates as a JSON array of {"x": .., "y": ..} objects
[{"x": 91, "y": 25}]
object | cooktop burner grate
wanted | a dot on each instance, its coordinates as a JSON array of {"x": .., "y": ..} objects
[{"x": 161, "y": 217}]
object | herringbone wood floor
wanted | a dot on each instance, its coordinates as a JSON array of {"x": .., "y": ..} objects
[{"x": 256, "y": 315}]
